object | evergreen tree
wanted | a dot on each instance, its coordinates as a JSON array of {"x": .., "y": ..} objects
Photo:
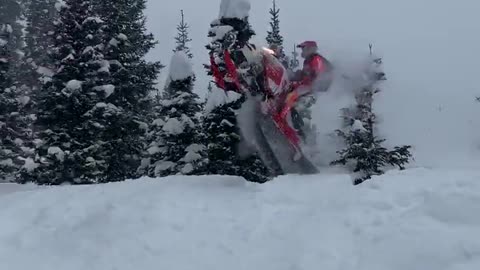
[
  {"x": 364, "y": 150},
  {"x": 37, "y": 65},
  {"x": 15, "y": 132},
  {"x": 223, "y": 137},
  {"x": 274, "y": 38},
  {"x": 273, "y": 35},
  {"x": 294, "y": 62},
  {"x": 175, "y": 146},
  {"x": 74, "y": 113},
  {"x": 220, "y": 125},
  {"x": 40, "y": 15},
  {"x": 11, "y": 41},
  {"x": 231, "y": 34},
  {"x": 182, "y": 39},
  {"x": 127, "y": 43}
]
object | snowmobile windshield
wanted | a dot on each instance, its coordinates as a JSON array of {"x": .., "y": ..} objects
[{"x": 275, "y": 72}]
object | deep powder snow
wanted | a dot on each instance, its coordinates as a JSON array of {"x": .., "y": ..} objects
[{"x": 416, "y": 219}]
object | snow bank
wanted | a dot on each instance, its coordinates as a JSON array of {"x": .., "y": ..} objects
[
  {"x": 234, "y": 9},
  {"x": 417, "y": 219},
  {"x": 180, "y": 67}
]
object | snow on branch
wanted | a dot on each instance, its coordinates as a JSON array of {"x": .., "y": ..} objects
[
  {"x": 239, "y": 9},
  {"x": 180, "y": 67}
]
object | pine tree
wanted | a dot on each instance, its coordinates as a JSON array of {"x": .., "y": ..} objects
[
  {"x": 182, "y": 39},
  {"x": 273, "y": 35},
  {"x": 220, "y": 125},
  {"x": 127, "y": 43},
  {"x": 231, "y": 34},
  {"x": 175, "y": 146},
  {"x": 294, "y": 62},
  {"x": 223, "y": 137},
  {"x": 15, "y": 131},
  {"x": 73, "y": 108},
  {"x": 40, "y": 15},
  {"x": 10, "y": 41},
  {"x": 274, "y": 38},
  {"x": 37, "y": 65},
  {"x": 364, "y": 148}
]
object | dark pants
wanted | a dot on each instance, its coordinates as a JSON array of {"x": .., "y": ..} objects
[{"x": 306, "y": 102}]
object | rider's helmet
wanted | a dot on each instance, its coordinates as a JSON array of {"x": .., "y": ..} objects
[{"x": 308, "y": 48}]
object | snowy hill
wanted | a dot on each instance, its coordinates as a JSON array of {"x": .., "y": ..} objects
[{"x": 417, "y": 219}]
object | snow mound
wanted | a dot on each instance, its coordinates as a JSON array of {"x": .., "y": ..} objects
[
  {"x": 416, "y": 219},
  {"x": 180, "y": 67},
  {"x": 234, "y": 9}
]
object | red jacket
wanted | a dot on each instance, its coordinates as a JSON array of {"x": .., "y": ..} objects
[{"x": 313, "y": 67}]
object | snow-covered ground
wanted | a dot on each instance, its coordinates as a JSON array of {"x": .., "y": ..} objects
[
  {"x": 416, "y": 219},
  {"x": 430, "y": 48}
]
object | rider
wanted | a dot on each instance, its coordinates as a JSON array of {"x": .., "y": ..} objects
[{"x": 316, "y": 76}]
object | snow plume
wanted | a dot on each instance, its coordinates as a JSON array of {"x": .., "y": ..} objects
[
  {"x": 239, "y": 9},
  {"x": 246, "y": 118},
  {"x": 326, "y": 113}
]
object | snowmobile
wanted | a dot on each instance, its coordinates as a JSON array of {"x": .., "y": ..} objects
[{"x": 261, "y": 76}]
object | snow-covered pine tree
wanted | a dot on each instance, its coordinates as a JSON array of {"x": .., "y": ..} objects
[
  {"x": 75, "y": 117},
  {"x": 133, "y": 78},
  {"x": 274, "y": 37},
  {"x": 11, "y": 41},
  {"x": 222, "y": 136},
  {"x": 182, "y": 39},
  {"x": 36, "y": 65},
  {"x": 364, "y": 150},
  {"x": 232, "y": 32},
  {"x": 40, "y": 15},
  {"x": 15, "y": 132},
  {"x": 175, "y": 146}
]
